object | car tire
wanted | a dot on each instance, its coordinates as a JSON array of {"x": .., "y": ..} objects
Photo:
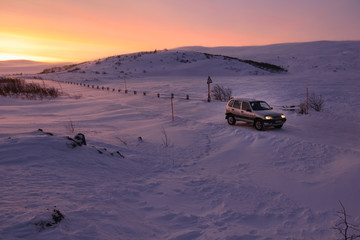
[
  {"x": 231, "y": 120},
  {"x": 259, "y": 125}
]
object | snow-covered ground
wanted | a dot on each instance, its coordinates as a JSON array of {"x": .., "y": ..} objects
[{"x": 208, "y": 180}]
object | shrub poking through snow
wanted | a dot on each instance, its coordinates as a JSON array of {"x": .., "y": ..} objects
[
  {"x": 78, "y": 140},
  {"x": 47, "y": 133},
  {"x": 302, "y": 108},
  {"x": 221, "y": 93},
  {"x": 316, "y": 102},
  {"x": 165, "y": 138},
  {"x": 18, "y": 87},
  {"x": 55, "y": 218},
  {"x": 346, "y": 230},
  {"x": 70, "y": 126}
]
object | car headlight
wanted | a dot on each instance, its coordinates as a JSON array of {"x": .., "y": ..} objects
[
  {"x": 268, "y": 117},
  {"x": 282, "y": 116}
]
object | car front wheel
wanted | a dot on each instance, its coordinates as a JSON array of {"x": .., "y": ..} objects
[
  {"x": 231, "y": 120},
  {"x": 259, "y": 125}
]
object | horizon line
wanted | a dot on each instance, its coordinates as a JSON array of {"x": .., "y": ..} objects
[{"x": 52, "y": 60}]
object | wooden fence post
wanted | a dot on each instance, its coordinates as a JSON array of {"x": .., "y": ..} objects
[
  {"x": 307, "y": 100},
  {"x": 209, "y": 81},
  {"x": 172, "y": 107}
]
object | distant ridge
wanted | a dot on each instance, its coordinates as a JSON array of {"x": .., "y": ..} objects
[
  {"x": 303, "y": 57},
  {"x": 298, "y": 57},
  {"x": 21, "y": 61},
  {"x": 268, "y": 46},
  {"x": 24, "y": 66},
  {"x": 262, "y": 65}
]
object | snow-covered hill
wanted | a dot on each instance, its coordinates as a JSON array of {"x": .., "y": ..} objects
[
  {"x": 309, "y": 57},
  {"x": 143, "y": 176},
  {"x": 160, "y": 63}
]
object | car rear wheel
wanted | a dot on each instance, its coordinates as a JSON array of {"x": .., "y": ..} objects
[
  {"x": 231, "y": 120},
  {"x": 259, "y": 125}
]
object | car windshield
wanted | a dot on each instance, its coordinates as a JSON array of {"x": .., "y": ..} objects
[{"x": 260, "y": 105}]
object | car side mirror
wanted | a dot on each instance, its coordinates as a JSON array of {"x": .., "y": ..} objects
[{"x": 271, "y": 108}]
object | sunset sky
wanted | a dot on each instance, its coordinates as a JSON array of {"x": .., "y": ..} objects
[{"x": 79, "y": 30}]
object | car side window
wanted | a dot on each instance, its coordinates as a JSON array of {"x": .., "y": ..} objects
[
  {"x": 236, "y": 104},
  {"x": 231, "y": 103},
  {"x": 246, "y": 106}
]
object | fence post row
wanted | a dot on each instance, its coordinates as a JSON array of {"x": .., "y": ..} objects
[{"x": 119, "y": 90}]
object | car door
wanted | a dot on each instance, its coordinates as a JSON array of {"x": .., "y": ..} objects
[
  {"x": 246, "y": 112},
  {"x": 236, "y": 109}
]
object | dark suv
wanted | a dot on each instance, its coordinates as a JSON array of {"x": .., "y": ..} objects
[{"x": 253, "y": 111}]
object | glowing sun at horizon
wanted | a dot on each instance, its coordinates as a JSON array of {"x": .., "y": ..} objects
[{"x": 14, "y": 56}]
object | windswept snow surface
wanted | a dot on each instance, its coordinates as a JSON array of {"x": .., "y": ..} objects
[{"x": 192, "y": 178}]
